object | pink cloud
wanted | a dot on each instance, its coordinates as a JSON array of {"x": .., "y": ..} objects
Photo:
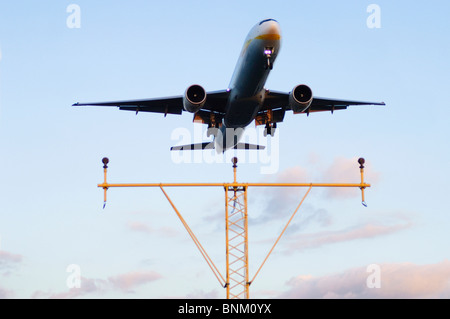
[
  {"x": 200, "y": 294},
  {"x": 346, "y": 170},
  {"x": 281, "y": 201},
  {"x": 124, "y": 282},
  {"x": 144, "y": 228},
  {"x": 404, "y": 280},
  {"x": 140, "y": 227},
  {"x": 6, "y": 294},
  {"x": 93, "y": 286},
  {"x": 9, "y": 258},
  {"x": 368, "y": 230},
  {"x": 8, "y": 262},
  {"x": 295, "y": 174}
]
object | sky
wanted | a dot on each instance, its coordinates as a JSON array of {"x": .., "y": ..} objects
[{"x": 57, "y": 241}]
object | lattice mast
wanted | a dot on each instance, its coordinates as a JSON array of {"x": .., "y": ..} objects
[{"x": 236, "y": 227}]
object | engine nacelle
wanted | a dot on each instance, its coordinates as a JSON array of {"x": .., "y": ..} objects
[
  {"x": 194, "y": 98},
  {"x": 300, "y": 98}
]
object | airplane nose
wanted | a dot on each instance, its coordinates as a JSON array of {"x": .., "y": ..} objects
[{"x": 271, "y": 27}]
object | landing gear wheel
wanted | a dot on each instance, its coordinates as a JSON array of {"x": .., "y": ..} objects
[
  {"x": 212, "y": 131},
  {"x": 270, "y": 129}
]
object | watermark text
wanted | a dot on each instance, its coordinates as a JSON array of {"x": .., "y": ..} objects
[
  {"x": 374, "y": 279},
  {"x": 73, "y": 21},
  {"x": 74, "y": 279},
  {"x": 374, "y": 19},
  {"x": 215, "y": 152}
]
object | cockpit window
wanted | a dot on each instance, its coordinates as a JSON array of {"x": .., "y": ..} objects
[{"x": 267, "y": 21}]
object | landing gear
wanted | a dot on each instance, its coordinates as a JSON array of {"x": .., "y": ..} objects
[
  {"x": 270, "y": 129},
  {"x": 268, "y": 53},
  {"x": 269, "y": 64},
  {"x": 212, "y": 130}
]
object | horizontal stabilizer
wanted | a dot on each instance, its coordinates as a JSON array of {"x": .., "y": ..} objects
[
  {"x": 246, "y": 146},
  {"x": 210, "y": 146},
  {"x": 193, "y": 147}
]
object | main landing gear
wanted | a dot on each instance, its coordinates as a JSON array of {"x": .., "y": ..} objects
[
  {"x": 212, "y": 130},
  {"x": 270, "y": 129}
]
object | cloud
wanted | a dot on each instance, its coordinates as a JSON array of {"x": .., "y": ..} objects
[
  {"x": 403, "y": 280},
  {"x": 8, "y": 258},
  {"x": 367, "y": 230},
  {"x": 6, "y": 294},
  {"x": 140, "y": 227},
  {"x": 88, "y": 286},
  {"x": 346, "y": 170},
  {"x": 281, "y": 201},
  {"x": 144, "y": 228},
  {"x": 124, "y": 282},
  {"x": 200, "y": 294},
  {"x": 8, "y": 261}
]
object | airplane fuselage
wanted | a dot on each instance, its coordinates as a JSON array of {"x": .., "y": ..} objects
[{"x": 246, "y": 87}]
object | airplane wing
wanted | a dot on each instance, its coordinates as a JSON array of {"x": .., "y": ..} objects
[
  {"x": 280, "y": 100},
  {"x": 215, "y": 102}
]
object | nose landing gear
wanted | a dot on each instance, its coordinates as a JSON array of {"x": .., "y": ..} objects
[{"x": 269, "y": 63}]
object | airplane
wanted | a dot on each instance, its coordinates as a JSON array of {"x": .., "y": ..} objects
[{"x": 228, "y": 112}]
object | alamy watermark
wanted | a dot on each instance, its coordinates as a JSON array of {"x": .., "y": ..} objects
[
  {"x": 374, "y": 19},
  {"x": 374, "y": 279},
  {"x": 74, "y": 279},
  {"x": 73, "y": 21},
  {"x": 268, "y": 158}
]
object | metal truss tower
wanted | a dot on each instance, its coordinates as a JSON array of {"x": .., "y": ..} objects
[{"x": 236, "y": 225}]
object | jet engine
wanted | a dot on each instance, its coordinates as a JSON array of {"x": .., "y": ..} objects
[
  {"x": 300, "y": 98},
  {"x": 194, "y": 98}
]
